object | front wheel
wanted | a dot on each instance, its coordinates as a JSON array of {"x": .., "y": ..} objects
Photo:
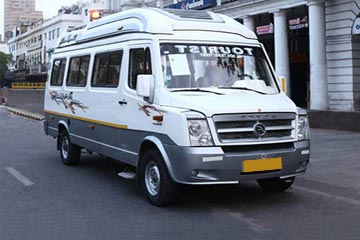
[
  {"x": 155, "y": 180},
  {"x": 69, "y": 153},
  {"x": 276, "y": 184}
]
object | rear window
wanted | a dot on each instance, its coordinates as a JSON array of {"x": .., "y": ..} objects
[
  {"x": 58, "y": 71},
  {"x": 107, "y": 69},
  {"x": 78, "y": 71}
]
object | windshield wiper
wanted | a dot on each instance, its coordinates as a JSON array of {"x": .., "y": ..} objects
[
  {"x": 196, "y": 90},
  {"x": 242, "y": 88}
]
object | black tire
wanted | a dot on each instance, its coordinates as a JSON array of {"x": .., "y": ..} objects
[
  {"x": 276, "y": 184},
  {"x": 155, "y": 180},
  {"x": 69, "y": 153}
]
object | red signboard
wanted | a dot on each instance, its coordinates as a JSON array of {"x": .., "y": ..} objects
[{"x": 267, "y": 29}]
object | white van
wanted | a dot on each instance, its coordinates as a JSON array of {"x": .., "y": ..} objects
[{"x": 183, "y": 97}]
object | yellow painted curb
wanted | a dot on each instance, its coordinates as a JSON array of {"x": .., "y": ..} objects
[{"x": 27, "y": 114}]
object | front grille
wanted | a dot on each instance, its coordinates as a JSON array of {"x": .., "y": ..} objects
[
  {"x": 244, "y": 124},
  {"x": 277, "y": 147},
  {"x": 240, "y": 128},
  {"x": 247, "y": 135}
]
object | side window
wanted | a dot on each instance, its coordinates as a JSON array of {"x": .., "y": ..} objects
[
  {"x": 78, "y": 71},
  {"x": 140, "y": 63},
  {"x": 58, "y": 72},
  {"x": 107, "y": 69}
]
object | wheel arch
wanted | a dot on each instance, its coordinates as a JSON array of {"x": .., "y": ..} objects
[
  {"x": 62, "y": 125},
  {"x": 150, "y": 143}
]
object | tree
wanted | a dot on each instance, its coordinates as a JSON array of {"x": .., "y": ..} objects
[{"x": 4, "y": 61}]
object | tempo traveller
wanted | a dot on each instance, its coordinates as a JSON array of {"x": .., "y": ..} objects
[{"x": 180, "y": 97}]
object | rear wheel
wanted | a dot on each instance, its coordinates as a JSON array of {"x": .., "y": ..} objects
[
  {"x": 276, "y": 184},
  {"x": 155, "y": 180},
  {"x": 69, "y": 153}
]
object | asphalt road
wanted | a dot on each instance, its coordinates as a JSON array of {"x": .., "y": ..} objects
[{"x": 42, "y": 199}]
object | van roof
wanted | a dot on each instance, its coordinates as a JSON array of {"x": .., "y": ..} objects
[{"x": 154, "y": 21}]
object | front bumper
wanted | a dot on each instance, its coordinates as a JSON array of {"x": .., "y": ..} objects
[{"x": 222, "y": 165}]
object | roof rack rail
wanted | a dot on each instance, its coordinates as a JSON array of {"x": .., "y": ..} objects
[
  {"x": 71, "y": 28},
  {"x": 190, "y": 14}
]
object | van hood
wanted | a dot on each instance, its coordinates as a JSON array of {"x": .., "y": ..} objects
[{"x": 232, "y": 102}]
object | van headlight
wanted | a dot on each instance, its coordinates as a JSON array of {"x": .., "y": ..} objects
[
  {"x": 199, "y": 131},
  {"x": 303, "y": 132}
]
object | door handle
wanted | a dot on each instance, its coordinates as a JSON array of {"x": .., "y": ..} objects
[{"x": 123, "y": 102}]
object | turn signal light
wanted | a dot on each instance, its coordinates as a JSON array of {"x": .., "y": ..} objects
[{"x": 158, "y": 118}]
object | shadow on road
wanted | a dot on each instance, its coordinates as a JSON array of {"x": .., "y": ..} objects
[{"x": 199, "y": 198}]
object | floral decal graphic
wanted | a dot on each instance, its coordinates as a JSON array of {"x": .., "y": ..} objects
[
  {"x": 157, "y": 115},
  {"x": 67, "y": 100},
  {"x": 147, "y": 109}
]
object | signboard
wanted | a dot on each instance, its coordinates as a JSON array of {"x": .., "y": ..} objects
[
  {"x": 266, "y": 29},
  {"x": 27, "y": 23},
  {"x": 356, "y": 27},
  {"x": 299, "y": 23},
  {"x": 192, "y": 4}
]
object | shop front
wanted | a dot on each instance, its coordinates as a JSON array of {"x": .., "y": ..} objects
[{"x": 296, "y": 54}]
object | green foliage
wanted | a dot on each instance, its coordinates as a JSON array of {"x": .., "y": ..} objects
[{"x": 4, "y": 60}]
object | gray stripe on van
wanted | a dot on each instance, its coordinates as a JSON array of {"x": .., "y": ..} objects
[
  {"x": 103, "y": 144},
  {"x": 119, "y": 144}
]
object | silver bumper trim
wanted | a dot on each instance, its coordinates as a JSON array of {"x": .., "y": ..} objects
[
  {"x": 293, "y": 175},
  {"x": 209, "y": 183}
]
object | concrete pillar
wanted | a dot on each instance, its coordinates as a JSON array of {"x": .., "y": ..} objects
[
  {"x": 282, "y": 64},
  {"x": 249, "y": 64},
  {"x": 107, "y": 5},
  {"x": 249, "y": 23},
  {"x": 318, "y": 76},
  {"x": 160, "y": 3}
]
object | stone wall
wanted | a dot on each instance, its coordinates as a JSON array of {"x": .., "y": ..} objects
[
  {"x": 30, "y": 100},
  {"x": 343, "y": 54}
]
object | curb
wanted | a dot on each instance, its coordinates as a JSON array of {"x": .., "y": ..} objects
[{"x": 27, "y": 114}]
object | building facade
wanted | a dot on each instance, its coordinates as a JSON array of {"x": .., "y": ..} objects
[
  {"x": 31, "y": 49},
  {"x": 19, "y": 11},
  {"x": 4, "y": 48},
  {"x": 314, "y": 44},
  {"x": 31, "y": 44},
  {"x": 52, "y": 31}
]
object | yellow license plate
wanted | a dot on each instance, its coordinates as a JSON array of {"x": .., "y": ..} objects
[{"x": 259, "y": 165}]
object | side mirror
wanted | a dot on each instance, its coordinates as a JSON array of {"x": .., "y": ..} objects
[
  {"x": 282, "y": 83},
  {"x": 145, "y": 87}
]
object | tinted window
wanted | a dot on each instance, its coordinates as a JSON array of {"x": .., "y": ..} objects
[
  {"x": 107, "y": 69},
  {"x": 140, "y": 63},
  {"x": 78, "y": 71},
  {"x": 58, "y": 71}
]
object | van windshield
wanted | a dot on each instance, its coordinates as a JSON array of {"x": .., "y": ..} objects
[{"x": 197, "y": 66}]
